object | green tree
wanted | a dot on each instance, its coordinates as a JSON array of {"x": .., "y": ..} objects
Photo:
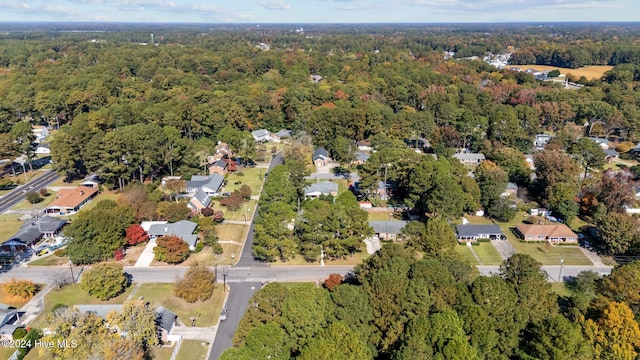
[
  {"x": 502, "y": 210},
  {"x": 438, "y": 336},
  {"x": 306, "y": 311},
  {"x": 623, "y": 284},
  {"x": 588, "y": 153},
  {"x": 265, "y": 308},
  {"x": 616, "y": 232},
  {"x": 554, "y": 338},
  {"x": 338, "y": 342},
  {"x": 352, "y": 307},
  {"x": 492, "y": 181},
  {"x": 95, "y": 234},
  {"x": 105, "y": 280},
  {"x": 33, "y": 197},
  {"x": 273, "y": 232}
]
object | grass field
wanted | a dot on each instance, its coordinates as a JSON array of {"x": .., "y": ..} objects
[
  {"x": 589, "y": 72},
  {"x": 233, "y": 232},
  {"x": 356, "y": 259},
  {"x": 379, "y": 216},
  {"x": 466, "y": 254},
  {"x": 105, "y": 195},
  {"x": 163, "y": 352},
  {"x": 251, "y": 176},
  {"x": 191, "y": 350},
  {"x": 73, "y": 295},
  {"x": 561, "y": 289},
  {"x": 162, "y": 294},
  {"x": 488, "y": 254},
  {"x": 50, "y": 260},
  {"x": 9, "y": 225},
  {"x": 238, "y": 215},
  {"x": 26, "y": 205}
]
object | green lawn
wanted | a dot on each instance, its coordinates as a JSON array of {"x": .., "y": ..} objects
[
  {"x": 162, "y": 294},
  {"x": 561, "y": 289},
  {"x": 105, "y": 195},
  {"x": 192, "y": 350},
  {"x": 380, "y": 216},
  {"x": 26, "y": 205},
  {"x": 251, "y": 176},
  {"x": 73, "y": 295},
  {"x": 9, "y": 225},
  {"x": 233, "y": 232},
  {"x": 466, "y": 254},
  {"x": 50, "y": 260},
  {"x": 488, "y": 254},
  {"x": 238, "y": 215},
  {"x": 162, "y": 352}
]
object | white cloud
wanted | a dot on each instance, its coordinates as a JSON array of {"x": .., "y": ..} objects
[{"x": 275, "y": 5}]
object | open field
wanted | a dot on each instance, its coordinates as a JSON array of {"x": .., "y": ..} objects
[
  {"x": 238, "y": 215},
  {"x": 589, "y": 72},
  {"x": 233, "y": 232},
  {"x": 250, "y": 176},
  {"x": 466, "y": 254},
  {"x": 9, "y": 225},
  {"x": 488, "y": 254},
  {"x": 162, "y": 294},
  {"x": 208, "y": 258},
  {"x": 356, "y": 259}
]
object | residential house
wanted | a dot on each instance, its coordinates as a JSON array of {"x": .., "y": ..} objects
[
  {"x": 470, "y": 158},
  {"x": 360, "y": 157},
  {"x": 604, "y": 143},
  {"x": 284, "y": 134},
  {"x": 320, "y": 157},
  {"x": 321, "y": 188},
  {"x": 219, "y": 167},
  {"x": 539, "y": 212},
  {"x": 70, "y": 201},
  {"x": 364, "y": 145},
  {"x": 314, "y": 78},
  {"x": 541, "y": 140},
  {"x": 23, "y": 240},
  {"x": 165, "y": 321},
  {"x": 510, "y": 190},
  {"x": 264, "y": 135},
  {"x": 91, "y": 181},
  {"x": 610, "y": 155},
  {"x": 183, "y": 229},
  {"x": 551, "y": 233},
  {"x": 101, "y": 310},
  {"x": 199, "y": 201},
  {"x": 40, "y": 132},
  {"x": 43, "y": 149},
  {"x": 49, "y": 226},
  {"x": 222, "y": 151},
  {"x": 166, "y": 179},
  {"x": 210, "y": 184},
  {"x": 471, "y": 233},
  {"x": 389, "y": 229},
  {"x": 635, "y": 150},
  {"x": 9, "y": 322}
]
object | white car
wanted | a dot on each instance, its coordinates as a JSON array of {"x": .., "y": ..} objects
[{"x": 223, "y": 314}]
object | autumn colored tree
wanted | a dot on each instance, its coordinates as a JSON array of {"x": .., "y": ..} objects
[
  {"x": 135, "y": 235},
  {"x": 616, "y": 190},
  {"x": 23, "y": 289},
  {"x": 614, "y": 334},
  {"x": 218, "y": 216},
  {"x": 233, "y": 201},
  {"x": 207, "y": 211},
  {"x": 623, "y": 284},
  {"x": 196, "y": 285},
  {"x": 171, "y": 249},
  {"x": 332, "y": 281},
  {"x": 245, "y": 192},
  {"x": 138, "y": 321}
]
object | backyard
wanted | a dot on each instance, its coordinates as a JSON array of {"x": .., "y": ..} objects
[{"x": 245, "y": 176}]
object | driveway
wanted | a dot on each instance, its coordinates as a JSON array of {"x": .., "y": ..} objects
[{"x": 504, "y": 248}]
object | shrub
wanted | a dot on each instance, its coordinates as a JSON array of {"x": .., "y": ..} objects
[
  {"x": 105, "y": 281},
  {"x": 207, "y": 211},
  {"x": 196, "y": 285},
  {"x": 19, "y": 333},
  {"x": 33, "y": 197},
  {"x": 60, "y": 252},
  {"x": 171, "y": 249},
  {"x": 198, "y": 248},
  {"x": 23, "y": 289},
  {"x": 43, "y": 192},
  {"x": 332, "y": 281},
  {"x": 218, "y": 216},
  {"x": 118, "y": 254},
  {"x": 481, "y": 240},
  {"x": 135, "y": 234},
  {"x": 217, "y": 248}
]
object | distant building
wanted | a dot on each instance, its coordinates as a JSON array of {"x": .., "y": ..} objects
[
  {"x": 470, "y": 158},
  {"x": 388, "y": 230},
  {"x": 541, "y": 140},
  {"x": 320, "y": 157},
  {"x": 264, "y": 135},
  {"x": 321, "y": 188}
]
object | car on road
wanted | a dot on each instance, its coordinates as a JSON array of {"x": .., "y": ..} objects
[{"x": 223, "y": 314}]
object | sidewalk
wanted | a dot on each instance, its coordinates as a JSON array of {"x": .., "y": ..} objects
[
  {"x": 35, "y": 306},
  {"x": 147, "y": 255}
]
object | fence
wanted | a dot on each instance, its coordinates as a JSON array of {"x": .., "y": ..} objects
[{"x": 176, "y": 349}]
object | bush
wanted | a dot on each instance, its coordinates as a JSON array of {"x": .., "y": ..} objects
[
  {"x": 43, "y": 192},
  {"x": 60, "y": 252},
  {"x": 118, "y": 254},
  {"x": 196, "y": 285},
  {"x": 207, "y": 212},
  {"x": 33, "y": 197},
  {"x": 217, "y": 248},
  {"x": 105, "y": 281},
  {"x": 23, "y": 289},
  {"x": 19, "y": 333},
  {"x": 198, "y": 248},
  {"x": 171, "y": 249},
  {"x": 481, "y": 240}
]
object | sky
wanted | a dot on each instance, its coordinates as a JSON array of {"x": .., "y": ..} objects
[{"x": 318, "y": 11}]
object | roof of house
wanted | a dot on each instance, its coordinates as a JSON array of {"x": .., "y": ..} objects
[
  {"x": 284, "y": 133},
  {"x": 202, "y": 197},
  {"x": 611, "y": 152},
  {"x": 70, "y": 198},
  {"x": 363, "y": 143},
  {"x": 182, "y": 229},
  {"x": 599, "y": 140},
  {"x": 388, "y": 227},
  {"x": 261, "y": 133},
  {"x": 556, "y": 230},
  {"x": 166, "y": 319},
  {"x": 99, "y": 309},
  {"x": 469, "y": 156},
  {"x": 220, "y": 163},
  {"x": 469, "y": 230},
  {"x": 213, "y": 182},
  {"x": 322, "y": 187},
  {"x": 511, "y": 186},
  {"x": 25, "y": 236},
  {"x": 320, "y": 153},
  {"x": 361, "y": 156},
  {"x": 45, "y": 224}
]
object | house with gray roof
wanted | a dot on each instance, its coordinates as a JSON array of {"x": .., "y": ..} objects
[
  {"x": 470, "y": 158},
  {"x": 320, "y": 157},
  {"x": 284, "y": 134},
  {"x": 471, "y": 233},
  {"x": 183, "y": 229},
  {"x": 165, "y": 321},
  {"x": 389, "y": 229},
  {"x": 321, "y": 188},
  {"x": 209, "y": 184},
  {"x": 24, "y": 239},
  {"x": 264, "y": 135},
  {"x": 100, "y": 310},
  {"x": 199, "y": 201},
  {"x": 9, "y": 322}
]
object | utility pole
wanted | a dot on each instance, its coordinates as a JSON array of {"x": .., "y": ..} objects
[
  {"x": 73, "y": 278},
  {"x": 224, "y": 277},
  {"x": 560, "y": 274}
]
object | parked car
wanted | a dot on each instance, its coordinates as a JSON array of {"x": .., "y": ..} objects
[
  {"x": 223, "y": 314},
  {"x": 42, "y": 252}
]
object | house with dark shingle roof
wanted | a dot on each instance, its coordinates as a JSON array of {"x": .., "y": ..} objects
[
  {"x": 165, "y": 321},
  {"x": 209, "y": 184},
  {"x": 219, "y": 167},
  {"x": 470, "y": 158},
  {"x": 321, "y": 188},
  {"x": 199, "y": 201},
  {"x": 471, "y": 233},
  {"x": 320, "y": 157},
  {"x": 387, "y": 230},
  {"x": 183, "y": 229}
]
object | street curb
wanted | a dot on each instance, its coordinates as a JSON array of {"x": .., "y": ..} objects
[{"x": 227, "y": 291}]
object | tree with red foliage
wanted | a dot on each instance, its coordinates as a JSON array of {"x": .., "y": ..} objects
[
  {"x": 118, "y": 254},
  {"x": 218, "y": 216},
  {"x": 136, "y": 235},
  {"x": 332, "y": 281},
  {"x": 232, "y": 202},
  {"x": 171, "y": 249},
  {"x": 207, "y": 212}
]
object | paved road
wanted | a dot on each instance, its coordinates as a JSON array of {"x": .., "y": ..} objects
[
  {"x": 553, "y": 271},
  {"x": 19, "y": 193}
]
